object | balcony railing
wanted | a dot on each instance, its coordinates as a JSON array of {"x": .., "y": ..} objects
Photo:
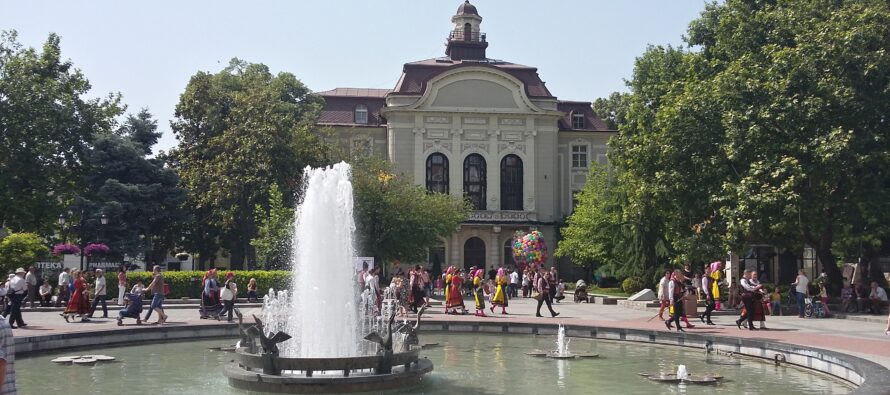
[{"x": 461, "y": 35}]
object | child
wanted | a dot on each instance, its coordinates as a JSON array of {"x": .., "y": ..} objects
[
  {"x": 846, "y": 297},
  {"x": 775, "y": 302},
  {"x": 697, "y": 283}
]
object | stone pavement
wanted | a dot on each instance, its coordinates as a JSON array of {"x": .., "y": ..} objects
[{"x": 863, "y": 339}]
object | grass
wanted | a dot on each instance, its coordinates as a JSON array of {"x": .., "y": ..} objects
[{"x": 608, "y": 291}]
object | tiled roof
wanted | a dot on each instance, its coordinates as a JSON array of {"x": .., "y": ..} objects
[
  {"x": 340, "y": 103},
  {"x": 416, "y": 74},
  {"x": 592, "y": 123},
  {"x": 356, "y": 92}
]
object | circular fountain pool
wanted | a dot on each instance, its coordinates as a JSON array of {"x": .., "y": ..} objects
[{"x": 465, "y": 363}]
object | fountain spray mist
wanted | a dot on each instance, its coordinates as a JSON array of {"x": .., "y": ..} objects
[{"x": 325, "y": 323}]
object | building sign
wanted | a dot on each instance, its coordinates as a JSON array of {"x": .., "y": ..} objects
[
  {"x": 508, "y": 216},
  {"x": 48, "y": 265}
]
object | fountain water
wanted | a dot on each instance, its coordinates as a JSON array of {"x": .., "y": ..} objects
[
  {"x": 324, "y": 315},
  {"x": 562, "y": 343}
]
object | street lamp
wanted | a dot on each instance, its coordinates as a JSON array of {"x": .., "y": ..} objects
[{"x": 103, "y": 219}]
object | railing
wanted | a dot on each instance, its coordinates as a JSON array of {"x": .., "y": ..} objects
[{"x": 461, "y": 35}]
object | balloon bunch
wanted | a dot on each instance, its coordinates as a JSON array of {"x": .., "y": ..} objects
[{"x": 529, "y": 248}]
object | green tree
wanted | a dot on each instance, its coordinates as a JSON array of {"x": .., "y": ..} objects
[
  {"x": 46, "y": 128},
  {"x": 21, "y": 250},
  {"x": 140, "y": 195},
  {"x": 396, "y": 218},
  {"x": 274, "y": 229},
  {"x": 241, "y": 131},
  {"x": 772, "y": 129},
  {"x": 613, "y": 109}
]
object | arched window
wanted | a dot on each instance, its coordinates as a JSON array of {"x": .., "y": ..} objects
[
  {"x": 511, "y": 183},
  {"x": 468, "y": 32},
  {"x": 474, "y": 253},
  {"x": 361, "y": 114},
  {"x": 474, "y": 180},
  {"x": 437, "y": 173}
]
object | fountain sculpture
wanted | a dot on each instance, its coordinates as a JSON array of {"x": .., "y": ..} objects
[{"x": 322, "y": 338}]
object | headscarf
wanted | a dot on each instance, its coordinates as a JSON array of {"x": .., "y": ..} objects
[
  {"x": 450, "y": 270},
  {"x": 501, "y": 272},
  {"x": 479, "y": 273}
]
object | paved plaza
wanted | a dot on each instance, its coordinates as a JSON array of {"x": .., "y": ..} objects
[{"x": 863, "y": 337}]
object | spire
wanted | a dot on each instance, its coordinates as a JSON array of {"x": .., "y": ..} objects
[{"x": 466, "y": 41}]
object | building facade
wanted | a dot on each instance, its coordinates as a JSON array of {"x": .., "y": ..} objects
[{"x": 484, "y": 129}]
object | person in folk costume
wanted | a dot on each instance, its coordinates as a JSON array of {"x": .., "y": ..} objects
[
  {"x": 716, "y": 267},
  {"x": 750, "y": 290},
  {"x": 676, "y": 290},
  {"x": 446, "y": 279},
  {"x": 80, "y": 301},
  {"x": 760, "y": 301},
  {"x": 454, "y": 298},
  {"x": 398, "y": 283},
  {"x": 709, "y": 297},
  {"x": 500, "y": 295},
  {"x": 478, "y": 292}
]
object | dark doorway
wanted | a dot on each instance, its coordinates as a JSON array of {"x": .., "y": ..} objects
[{"x": 474, "y": 253}]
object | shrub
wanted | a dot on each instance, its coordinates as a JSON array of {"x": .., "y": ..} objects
[
  {"x": 632, "y": 284},
  {"x": 94, "y": 248},
  {"x": 21, "y": 250},
  {"x": 188, "y": 283}
]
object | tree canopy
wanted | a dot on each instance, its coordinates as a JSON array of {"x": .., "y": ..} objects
[
  {"x": 240, "y": 131},
  {"x": 396, "y": 219},
  {"x": 771, "y": 127},
  {"x": 47, "y": 126}
]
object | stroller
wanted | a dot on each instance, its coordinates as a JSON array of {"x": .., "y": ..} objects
[
  {"x": 581, "y": 292},
  {"x": 132, "y": 310}
]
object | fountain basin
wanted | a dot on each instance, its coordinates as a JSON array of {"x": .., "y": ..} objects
[{"x": 326, "y": 375}]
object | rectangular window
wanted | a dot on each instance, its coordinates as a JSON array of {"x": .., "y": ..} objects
[
  {"x": 579, "y": 156},
  {"x": 577, "y": 121}
]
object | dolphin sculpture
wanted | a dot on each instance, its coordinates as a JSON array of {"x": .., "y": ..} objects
[{"x": 269, "y": 344}]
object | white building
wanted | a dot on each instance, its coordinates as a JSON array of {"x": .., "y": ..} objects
[{"x": 472, "y": 126}]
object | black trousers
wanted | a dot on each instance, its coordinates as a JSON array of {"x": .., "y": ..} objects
[
  {"x": 418, "y": 298},
  {"x": 748, "y": 301},
  {"x": 678, "y": 311},
  {"x": 546, "y": 298},
  {"x": 15, "y": 309},
  {"x": 99, "y": 299},
  {"x": 709, "y": 308},
  {"x": 228, "y": 308}
]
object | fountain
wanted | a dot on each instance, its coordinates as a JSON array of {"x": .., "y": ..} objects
[
  {"x": 318, "y": 339},
  {"x": 562, "y": 348}
]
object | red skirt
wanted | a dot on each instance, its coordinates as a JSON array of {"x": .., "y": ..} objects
[{"x": 79, "y": 304}]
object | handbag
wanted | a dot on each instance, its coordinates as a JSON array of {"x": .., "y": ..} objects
[{"x": 537, "y": 295}]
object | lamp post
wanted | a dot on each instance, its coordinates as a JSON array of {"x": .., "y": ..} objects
[{"x": 103, "y": 219}]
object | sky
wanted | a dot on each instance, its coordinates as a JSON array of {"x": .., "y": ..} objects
[{"x": 148, "y": 50}]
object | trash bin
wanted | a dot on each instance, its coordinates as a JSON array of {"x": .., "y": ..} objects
[{"x": 690, "y": 305}]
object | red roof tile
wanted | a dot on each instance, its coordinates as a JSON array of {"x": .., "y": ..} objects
[
  {"x": 592, "y": 123},
  {"x": 340, "y": 104},
  {"x": 356, "y": 92},
  {"x": 415, "y": 75}
]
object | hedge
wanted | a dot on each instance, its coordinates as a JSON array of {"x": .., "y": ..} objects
[{"x": 188, "y": 283}]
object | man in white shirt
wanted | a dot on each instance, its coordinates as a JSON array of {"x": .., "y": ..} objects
[
  {"x": 16, "y": 294},
  {"x": 514, "y": 284},
  {"x": 99, "y": 297},
  {"x": 31, "y": 281},
  {"x": 801, "y": 289},
  {"x": 64, "y": 279}
]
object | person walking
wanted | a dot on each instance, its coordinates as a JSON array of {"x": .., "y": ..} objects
[
  {"x": 79, "y": 305},
  {"x": 121, "y": 284},
  {"x": 760, "y": 300},
  {"x": 157, "y": 295},
  {"x": 801, "y": 291},
  {"x": 501, "y": 290},
  {"x": 514, "y": 284},
  {"x": 99, "y": 293},
  {"x": 31, "y": 281},
  {"x": 542, "y": 286},
  {"x": 663, "y": 297},
  {"x": 16, "y": 293},
  {"x": 427, "y": 283},
  {"x": 707, "y": 292},
  {"x": 749, "y": 288},
  {"x": 64, "y": 293},
  {"x": 676, "y": 290},
  {"x": 478, "y": 294},
  {"x": 228, "y": 294}
]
